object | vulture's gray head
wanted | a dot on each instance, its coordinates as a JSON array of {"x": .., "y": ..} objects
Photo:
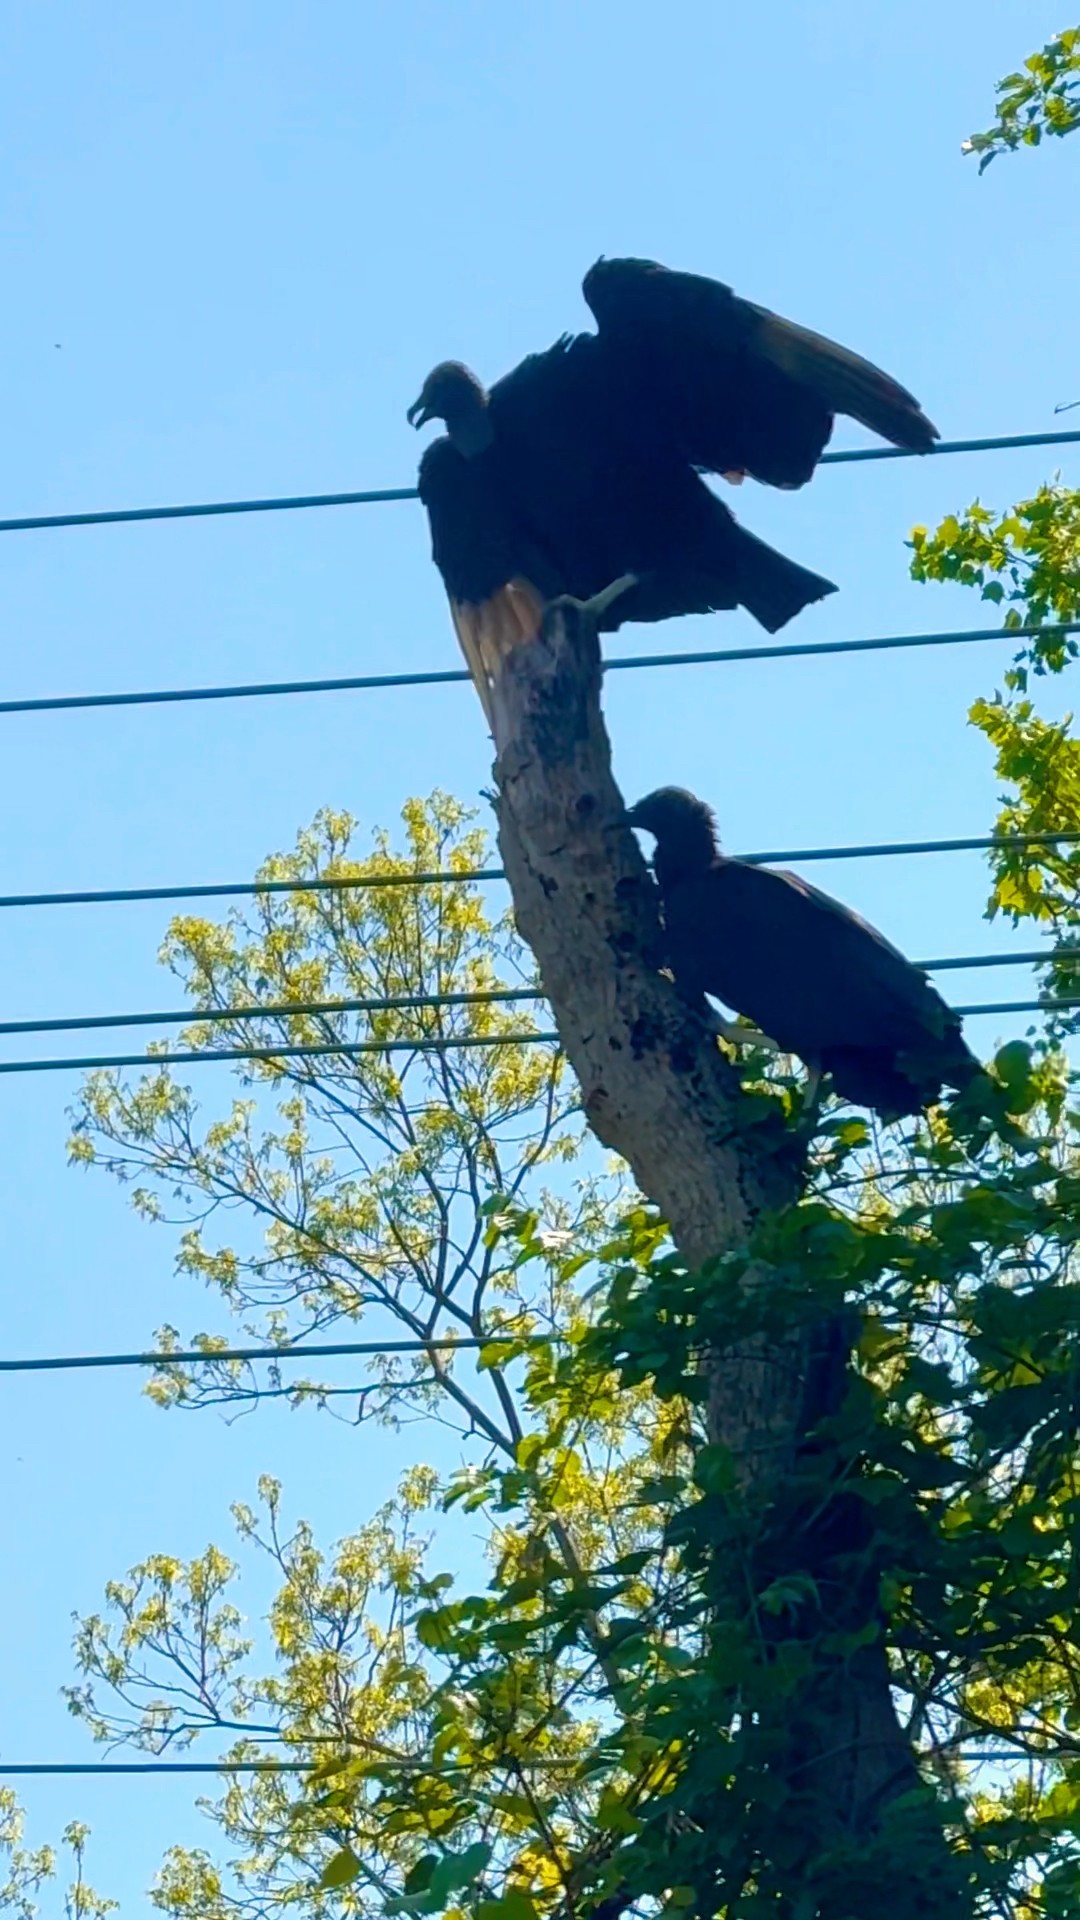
[
  {"x": 683, "y": 827},
  {"x": 453, "y": 394}
]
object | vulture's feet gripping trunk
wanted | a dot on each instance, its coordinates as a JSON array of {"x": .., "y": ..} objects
[{"x": 595, "y": 608}]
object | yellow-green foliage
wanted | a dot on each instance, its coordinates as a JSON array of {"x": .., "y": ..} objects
[{"x": 1043, "y": 99}]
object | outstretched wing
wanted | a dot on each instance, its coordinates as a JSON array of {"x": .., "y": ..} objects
[
  {"x": 743, "y": 390},
  {"x": 810, "y": 972}
]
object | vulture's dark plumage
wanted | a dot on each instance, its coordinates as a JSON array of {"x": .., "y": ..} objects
[
  {"x": 815, "y": 978},
  {"x": 583, "y": 466}
]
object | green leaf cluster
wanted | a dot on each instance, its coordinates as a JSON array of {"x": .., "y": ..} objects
[
  {"x": 1042, "y": 100},
  {"x": 1027, "y": 559}
]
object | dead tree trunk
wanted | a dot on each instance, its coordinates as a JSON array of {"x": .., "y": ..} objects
[{"x": 657, "y": 1090}]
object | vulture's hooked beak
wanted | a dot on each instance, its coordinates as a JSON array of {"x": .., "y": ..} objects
[{"x": 418, "y": 414}]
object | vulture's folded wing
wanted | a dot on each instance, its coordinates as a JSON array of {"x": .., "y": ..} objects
[
  {"x": 806, "y": 969},
  {"x": 472, "y": 537},
  {"x": 496, "y": 579}
]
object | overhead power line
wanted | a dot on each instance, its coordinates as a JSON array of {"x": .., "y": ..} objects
[
  {"x": 344, "y": 1049},
  {"x": 1063, "y": 1001},
  {"x": 280, "y": 1009},
  {"x": 1035, "y": 958},
  {"x": 218, "y": 891},
  {"x": 322, "y": 1350},
  {"x": 35, "y": 1768},
  {"x": 374, "y": 496},
  {"x": 348, "y": 1049},
  {"x": 410, "y": 1002},
  {"x": 998, "y": 443},
  {"x": 622, "y": 663},
  {"x": 323, "y": 883},
  {"x": 545, "y": 1763}
]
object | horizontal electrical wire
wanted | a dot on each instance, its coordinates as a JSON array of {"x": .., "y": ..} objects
[
  {"x": 344, "y": 1049},
  {"x": 322, "y": 1350},
  {"x": 548, "y": 1763},
  {"x": 374, "y": 496},
  {"x": 321, "y": 883},
  {"x": 995, "y": 443},
  {"x": 348, "y": 1049},
  {"x": 1059, "y": 1001},
  {"x": 34, "y": 1769},
  {"x": 621, "y": 663},
  {"x": 179, "y": 1016},
  {"x": 402, "y": 1002},
  {"x": 961, "y": 962},
  {"x": 377, "y": 496},
  {"x": 104, "y": 1768},
  {"x": 124, "y": 896}
]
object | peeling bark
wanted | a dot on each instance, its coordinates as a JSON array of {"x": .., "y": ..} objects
[
  {"x": 657, "y": 1090},
  {"x": 655, "y": 1086}
]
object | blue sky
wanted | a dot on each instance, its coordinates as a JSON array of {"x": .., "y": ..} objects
[{"x": 233, "y": 241}]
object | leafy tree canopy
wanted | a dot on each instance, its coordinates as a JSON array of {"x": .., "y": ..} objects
[{"x": 616, "y": 1719}]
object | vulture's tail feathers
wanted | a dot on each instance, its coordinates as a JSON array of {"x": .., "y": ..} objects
[
  {"x": 847, "y": 383},
  {"x": 896, "y": 1083},
  {"x": 490, "y": 631},
  {"x": 771, "y": 587},
  {"x": 947, "y": 1056},
  {"x": 961, "y": 1067},
  {"x": 871, "y": 1077},
  {"x": 956, "y": 1066}
]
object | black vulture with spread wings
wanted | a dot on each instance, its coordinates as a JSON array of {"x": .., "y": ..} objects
[
  {"x": 579, "y": 473},
  {"x": 814, "y": 977}
]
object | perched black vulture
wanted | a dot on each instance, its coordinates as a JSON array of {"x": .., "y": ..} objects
[
  {"x": 817, "y": 979},
  {"x": 548, "y": 487},
  {"x": 582, "y": 467}
]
